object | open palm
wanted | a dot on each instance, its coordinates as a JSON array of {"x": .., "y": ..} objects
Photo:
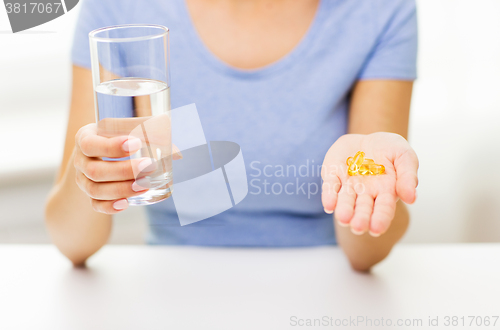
[{"x": 368, "y": 203}]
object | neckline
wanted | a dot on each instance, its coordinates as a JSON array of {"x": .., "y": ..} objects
[{"x": 217, "y": 64}]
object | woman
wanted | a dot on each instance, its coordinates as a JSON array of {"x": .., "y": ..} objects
[{"x": 295, "y": 83}]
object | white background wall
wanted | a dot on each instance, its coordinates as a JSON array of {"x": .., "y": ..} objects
[{"x": 455, "y": 124}]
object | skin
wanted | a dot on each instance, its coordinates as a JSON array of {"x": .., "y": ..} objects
[
  {"x": 246, "y": 34},
  {"x": 369, "y": 222}
]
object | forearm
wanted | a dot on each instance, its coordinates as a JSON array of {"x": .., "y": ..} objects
[
  {"x": 380, "y": 106},
  {"x": 377, "y": 106},
  {"x": 364, "y": 251},
  {"x": 75, "y": 228}
]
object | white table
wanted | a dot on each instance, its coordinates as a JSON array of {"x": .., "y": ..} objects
[{"x": 147, "y": 287}]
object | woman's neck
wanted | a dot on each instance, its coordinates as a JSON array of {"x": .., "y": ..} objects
[{"x": 250, "y": 34}]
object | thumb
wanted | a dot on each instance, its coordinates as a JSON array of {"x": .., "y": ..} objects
[
  {"x": 406, "y": 166},
  {"x": 176, "y": 153}
]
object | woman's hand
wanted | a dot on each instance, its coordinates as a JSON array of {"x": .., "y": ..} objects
[
  {"x": 109, "y": 183},
  {"x": 368, "y": 203}
]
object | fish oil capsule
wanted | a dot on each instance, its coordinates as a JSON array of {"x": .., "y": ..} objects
[
  {"x": 357, "y": 161},
  {"x": 371, "y": 169},
  {"x": 364, "y": 169},
  {"x": 376, "y": 169},
  {"x": 359, "y": 165},
  {"x": 365, "y": 161}
]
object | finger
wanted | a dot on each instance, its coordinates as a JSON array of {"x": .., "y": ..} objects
[
  {"x": 383, "y": 213},
  {"x": 176, "y": 153},
  {"x": 345, "y": 205},
  {"x": 406, "y": 176},
  {"x": 329, "y": 193},
  {"x": 111, "y": 190},
  {"x": 362, "y": 214},
  {"x": 98, "y": 170},
  {"x": 109, "y": 207},
  {"x": 93, "y": 145}
]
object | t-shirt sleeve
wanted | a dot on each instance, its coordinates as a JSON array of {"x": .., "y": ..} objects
[
  {"x": 93, "y": 14},
  {"x": 394, "y": 56}
]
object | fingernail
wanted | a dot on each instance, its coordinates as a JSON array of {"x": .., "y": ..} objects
[
  {"x": 374, "y": 234},
  {"x": 146, "y": 164},
  {"x": 176, "y": 151},
  {"x": 132, "y": 144},
  {"x": 341, "y": 224},
  {"x": 355, "y": 232},
  {"x": 141, "y": 184},
  {"x": 328, "y": 211},
  {"x": 122, "y": 204}
]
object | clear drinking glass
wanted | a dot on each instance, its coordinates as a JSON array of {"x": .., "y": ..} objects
[{"x": 130, "y": 71}]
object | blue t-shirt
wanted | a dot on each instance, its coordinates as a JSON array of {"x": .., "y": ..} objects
[{"x": 284, "y": 116}]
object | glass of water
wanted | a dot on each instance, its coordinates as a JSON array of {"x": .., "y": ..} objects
[{"x": 130, "y": 72}]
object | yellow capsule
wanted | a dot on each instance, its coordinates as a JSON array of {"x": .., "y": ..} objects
[
  {"x": 377, "y": 169},
  {"x": 365, "y": 170},
  {"x": 371, "y": 169},
  {"x": 365, "y": 161},
  {"x": 357, "y": 161},
  {"x": 359, "y": 157}
]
